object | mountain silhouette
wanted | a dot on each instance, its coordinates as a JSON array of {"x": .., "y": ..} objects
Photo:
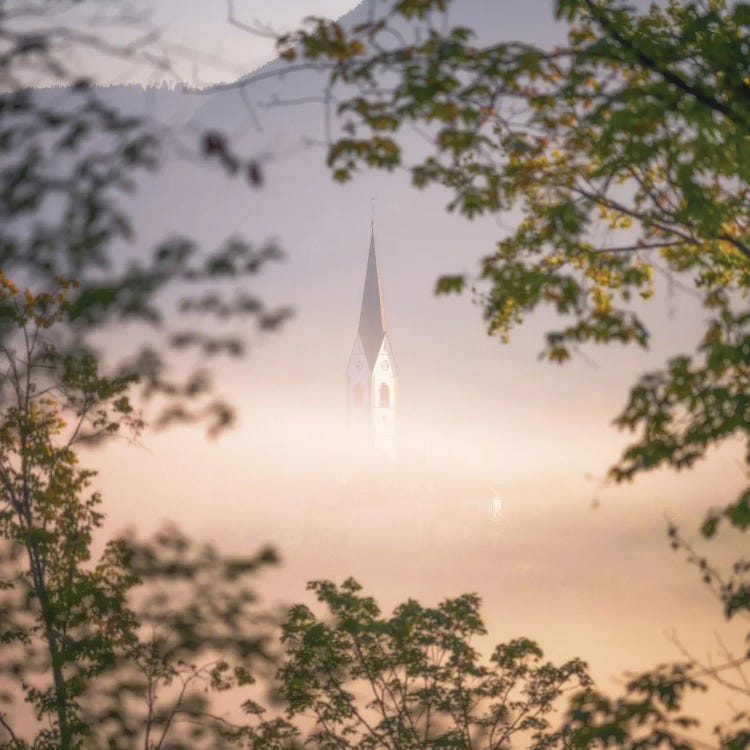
[{"x": 252, "y": 103}]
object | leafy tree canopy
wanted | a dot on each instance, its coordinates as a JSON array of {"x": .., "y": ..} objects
[
  {"x": 630, "y": 142},
  {"x": 416, "y": 678},
  {"x": 128, "y": 647}
]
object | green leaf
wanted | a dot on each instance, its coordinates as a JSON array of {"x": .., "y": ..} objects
[
  {"x": 92, "y": 299},
  {"x": 450, "y": 285}
]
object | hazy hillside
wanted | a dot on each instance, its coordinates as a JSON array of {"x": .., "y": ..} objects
[
  {"x": 162, "y": 104},
  {"x": 492, "y": 21}
]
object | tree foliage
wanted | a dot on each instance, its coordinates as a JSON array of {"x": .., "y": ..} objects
[
  {"x": 623, "y": 151},
  {"x": 627, "y": 144},
  {"x": 124, "y": 648},
  {"x": 417, "y": 678},
  {"x": 70, "y": 162}
]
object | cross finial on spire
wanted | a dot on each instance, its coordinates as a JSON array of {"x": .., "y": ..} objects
[{"x": 372, "y": 213}]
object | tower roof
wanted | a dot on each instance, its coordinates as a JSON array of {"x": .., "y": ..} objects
[{"x": 372, "y": 316}]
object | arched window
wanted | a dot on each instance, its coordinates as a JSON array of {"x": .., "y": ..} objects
[
  {"x": 359, "y": 395},
  {"x": 385, "y": 396}
]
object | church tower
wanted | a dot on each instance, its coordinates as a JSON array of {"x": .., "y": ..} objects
[{"x": 372, "y": 375}]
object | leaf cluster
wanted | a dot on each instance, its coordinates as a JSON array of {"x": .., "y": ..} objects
[{"x": 417, "y": 678}]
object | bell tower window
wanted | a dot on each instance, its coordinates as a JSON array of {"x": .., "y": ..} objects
[{"x": 385, "y": 396}]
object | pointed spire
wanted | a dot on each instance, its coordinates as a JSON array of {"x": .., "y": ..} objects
[{"x": 372, "y": 316}]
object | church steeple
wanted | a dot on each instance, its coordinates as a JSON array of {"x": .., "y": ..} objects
[
  {"x": 372, "y": 326},
  {"x": 371, "y": 376}
]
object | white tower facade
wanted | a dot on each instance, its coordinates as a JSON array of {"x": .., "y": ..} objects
[{"x": 372, "y": 377}]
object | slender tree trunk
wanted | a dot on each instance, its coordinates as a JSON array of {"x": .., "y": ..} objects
[{"x": 61, "y": 687}]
